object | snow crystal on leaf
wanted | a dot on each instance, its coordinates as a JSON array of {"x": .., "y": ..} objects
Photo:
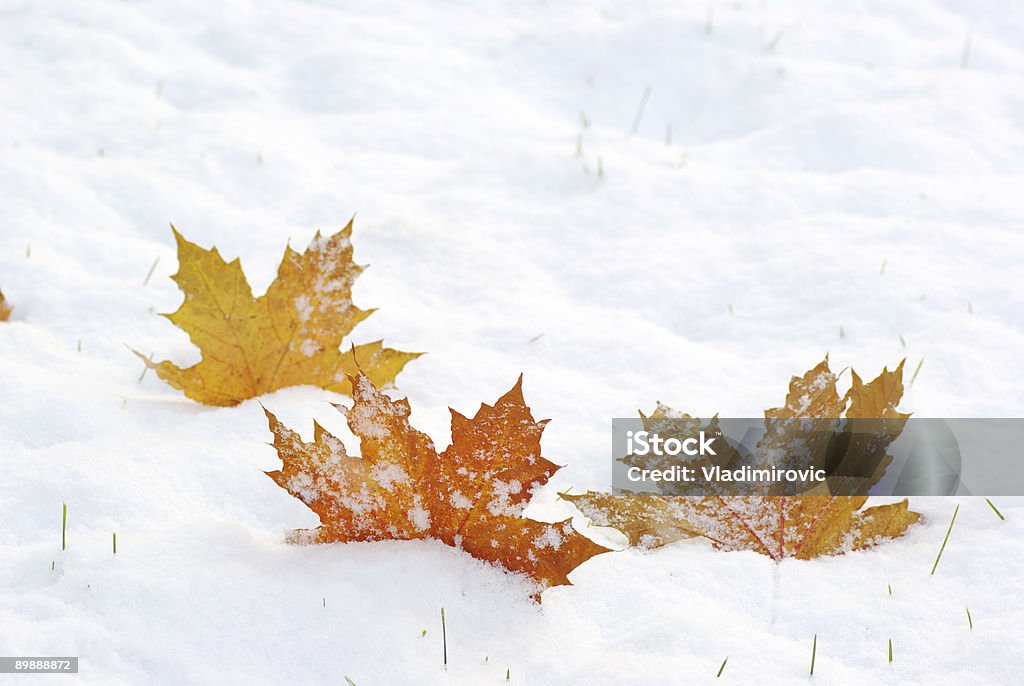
[
  {"x": 419, "y": 517},
  {"x": 361, "y": 502},
  {"x": 552, "y": 538},
  {"x": 332, "y": 285},
  {"x": 388, "y": 473},
  {"x": 304, "y": 487},
  {"x": 335, "y": 446},
  {"x": 819, "y": 384},
  {"x": 303, "y": 307},
  {"x": 501, "y": 504},
  {"x": 648, "y": 542},
  {"x": 369, "y": 418}
]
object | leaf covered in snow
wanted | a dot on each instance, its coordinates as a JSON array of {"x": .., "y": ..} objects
[
  {"x": 5, "y": 309},
  {"x": 471, "y": 496},
  {"x": 822, "y": 521},
  {"x": 289, "y": 336}
]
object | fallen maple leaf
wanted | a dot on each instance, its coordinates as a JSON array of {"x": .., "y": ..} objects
[
  {"x": 822, "y": 521},
  {"x": 289, "y": 336},
  {"x": 5, "y": 309},
  {"x": 804, "y": 526},
  {"x": 471, "y": 496}
]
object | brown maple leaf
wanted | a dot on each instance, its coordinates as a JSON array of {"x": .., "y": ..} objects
[
  {"x": 820, "y": 522},
  {"x": 289, "y": 336},
  {"x": 471, "y": 496},
  {"x": 5, "y": 309}
]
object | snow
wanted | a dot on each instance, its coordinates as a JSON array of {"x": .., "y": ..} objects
[
  {"x": 550, "y": 539},
  {"x": 309, "y": 347},
  {"x": 388, "y": 474},
  {"x": 304, "y": 308},
  {"x": 501, "y": 503},
  {"x": 830, "y": 168},
  {"x": 419, "y": 517}
]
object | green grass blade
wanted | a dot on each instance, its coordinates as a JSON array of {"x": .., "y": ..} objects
[
  {"x": 943, "y": 547},
  {"x": 994, "y": 509},
  {"x": 970, "y": 622},
  {"x": 149, "y": 274},
  {"x": 916, "y": 370},
  {"x": 814, "y": 651},
  {"x": 444, "y": 639},
  {"x": 640, "y": 111},
  {"x": 722, "y": 668}
]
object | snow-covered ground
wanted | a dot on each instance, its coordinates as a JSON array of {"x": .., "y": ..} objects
[{"x": 854, "y": 169}]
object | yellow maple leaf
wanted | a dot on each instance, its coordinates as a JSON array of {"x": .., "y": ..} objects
[
  {"x": 822, "y": 521},
  {"x": 471, "y": 496},
  {"x": 804, "y": 526},
  {"x": 290, "y": 336}
]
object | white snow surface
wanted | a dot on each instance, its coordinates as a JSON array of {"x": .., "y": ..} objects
[{"x": 811, "y": 144}]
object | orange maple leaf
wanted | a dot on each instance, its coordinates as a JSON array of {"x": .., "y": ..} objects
[
  {"x": 5, "y": 309},
  {"x": 471, "y": 496}
]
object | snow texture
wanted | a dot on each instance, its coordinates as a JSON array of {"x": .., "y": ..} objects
[{"x": 803, "y": 178}]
